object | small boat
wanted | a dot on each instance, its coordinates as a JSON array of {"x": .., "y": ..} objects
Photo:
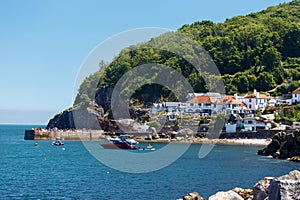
[
  {"x": 57, "y": 142},
  {"x": 148, "y": 148},
  {"x": 122, "y": 142}
]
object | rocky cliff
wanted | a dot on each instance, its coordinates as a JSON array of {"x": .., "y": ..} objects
[
  {"x": 77, "y": 117},
  {"x": 283, "y": 146}
]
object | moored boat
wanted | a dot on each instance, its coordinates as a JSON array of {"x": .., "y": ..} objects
[
  {"x": 57, "y": 142},
  {"x": 122, "y": 142}
]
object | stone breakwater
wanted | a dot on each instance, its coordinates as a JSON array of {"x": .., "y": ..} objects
[
  {"x": 283, "y": 146},
  {"x": 286, "y": 187}
]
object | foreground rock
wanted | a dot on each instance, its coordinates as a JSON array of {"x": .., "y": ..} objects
[
  {"x": 191, "y": 196},
  {"x": 285, "y": 187},
  {"x": 283, "y": 146},
  {"x": 226, "y": 195},
  {"x": 260, "y": 189},
  {"x": 244, "y": 193}
]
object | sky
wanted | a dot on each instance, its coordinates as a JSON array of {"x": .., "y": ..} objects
[{"x": 43, "y": 43}]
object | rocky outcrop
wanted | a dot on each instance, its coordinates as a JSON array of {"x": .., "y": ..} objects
[
  {"x": 109, "y": 126},
  {"x": 281, "y": 188},
  {"x": 103, "y": 97},
  {"x": 283, "y": 146},
  {"x": 191, "y": 196},
  {"x": 285, "y": 187},
  {"x": 229, "y": 195},
  {"x": 260, "y": 189},
  {"x": 76, "y": 118},
  {"x": 244, "y": 193}
]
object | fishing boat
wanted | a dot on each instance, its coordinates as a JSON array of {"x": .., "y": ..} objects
[
  {"x": 122, "y": 142},
  {"x": 57, "y": 142}
]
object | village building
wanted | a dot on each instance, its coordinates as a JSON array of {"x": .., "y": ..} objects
[
  {"x": 296, "y": 96},
  {"x": 229, "y": 105},
  {"x": 200, "y": 104},
  {"x": 255, "y": 101}
]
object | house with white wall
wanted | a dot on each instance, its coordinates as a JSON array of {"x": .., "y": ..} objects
[
  {"x": 296, "y": 96},
  {"x": 255, "y": 101},
  {"x": 229, "y": 105},
  {"x": 200, "y": 104}
]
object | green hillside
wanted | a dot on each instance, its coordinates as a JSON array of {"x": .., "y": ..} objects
[{"x": 260, "y": 50}]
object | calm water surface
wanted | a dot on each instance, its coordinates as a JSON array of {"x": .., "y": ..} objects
[{"x": 49, "y": 172}]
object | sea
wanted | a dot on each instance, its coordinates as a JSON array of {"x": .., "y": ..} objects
[{"x": 71, "y": 172}]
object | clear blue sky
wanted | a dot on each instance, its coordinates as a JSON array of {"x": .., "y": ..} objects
[{"x": 43, "y": 43}]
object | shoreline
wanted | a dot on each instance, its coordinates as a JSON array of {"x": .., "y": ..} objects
[{"x": 242, "y": 142}]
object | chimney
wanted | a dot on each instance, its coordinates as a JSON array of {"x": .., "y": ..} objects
[
  {"x": 235, "y": 96},
  {"x": 256, "y": 93}
]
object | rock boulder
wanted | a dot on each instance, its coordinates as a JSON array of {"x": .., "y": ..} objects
[
  {"x": 285, "y": 187},
  {"x": 260, "y": 189},
  {"x": 229, "y": 195},
  {"x": 191, "y": 196}
]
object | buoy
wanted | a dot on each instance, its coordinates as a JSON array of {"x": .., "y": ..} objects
[
  {"x": 107, "y": 172},
  {"x": 36, "y": 144},
  {"x": 63, "y": 149}
]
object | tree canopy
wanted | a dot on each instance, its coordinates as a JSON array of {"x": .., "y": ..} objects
[{"x": 260, "y": 50}]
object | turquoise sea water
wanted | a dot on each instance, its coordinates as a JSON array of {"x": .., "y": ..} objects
[{"x": 49, "y": 172}]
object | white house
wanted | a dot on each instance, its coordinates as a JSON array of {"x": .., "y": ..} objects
[
  {"x": 229, "y": 105},
  {"x": 296, "y": 95},
  {"x": 200, "y": 104},
  {"x": 253, "y": 123},
  {"x": 255, "y": 101}
]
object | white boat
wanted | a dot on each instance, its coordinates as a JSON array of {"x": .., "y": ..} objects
[
  {"x": 122, "y": 142},
  {"x": 57, "y": 142}
]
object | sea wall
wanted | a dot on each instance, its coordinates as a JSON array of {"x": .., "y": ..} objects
[
  {"x": 83, "y": 134},
  {"x": 259, "y": 134}
]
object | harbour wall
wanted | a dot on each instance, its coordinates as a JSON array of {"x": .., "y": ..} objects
[{"x": 94, "y": 135}]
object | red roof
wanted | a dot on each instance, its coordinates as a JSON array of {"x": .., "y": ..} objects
[
  {"x": 261, "y": 96},
  {"x": 229, "y": 100},
  {"x": 297, "y": 91},
  {"x": 201, "y": 99}
]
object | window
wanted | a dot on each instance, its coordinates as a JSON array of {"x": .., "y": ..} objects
[
  {"x": 250, "y": 100},
  {"x": 250, "y": 106}
]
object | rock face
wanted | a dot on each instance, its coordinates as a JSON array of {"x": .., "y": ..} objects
[
  {"x": 229, "y": 195},
  {"x": 76, "y": 118},
  {"x": 109, "y": 126},
  {"x": 281, "y": 188},
  {"x": 191, "y": 196},
  {"x": 103, "y": 97},
  {"x": 283, "y": 146},
  {"x": 285, "y": 187},
  {"x": 260, "y": 189}
]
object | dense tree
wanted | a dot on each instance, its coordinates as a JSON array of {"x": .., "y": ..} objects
[
  {"x": 265, "y": 81},
  {"x": 260, "y": 50},
  {"x": 271, "y": 59}
]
